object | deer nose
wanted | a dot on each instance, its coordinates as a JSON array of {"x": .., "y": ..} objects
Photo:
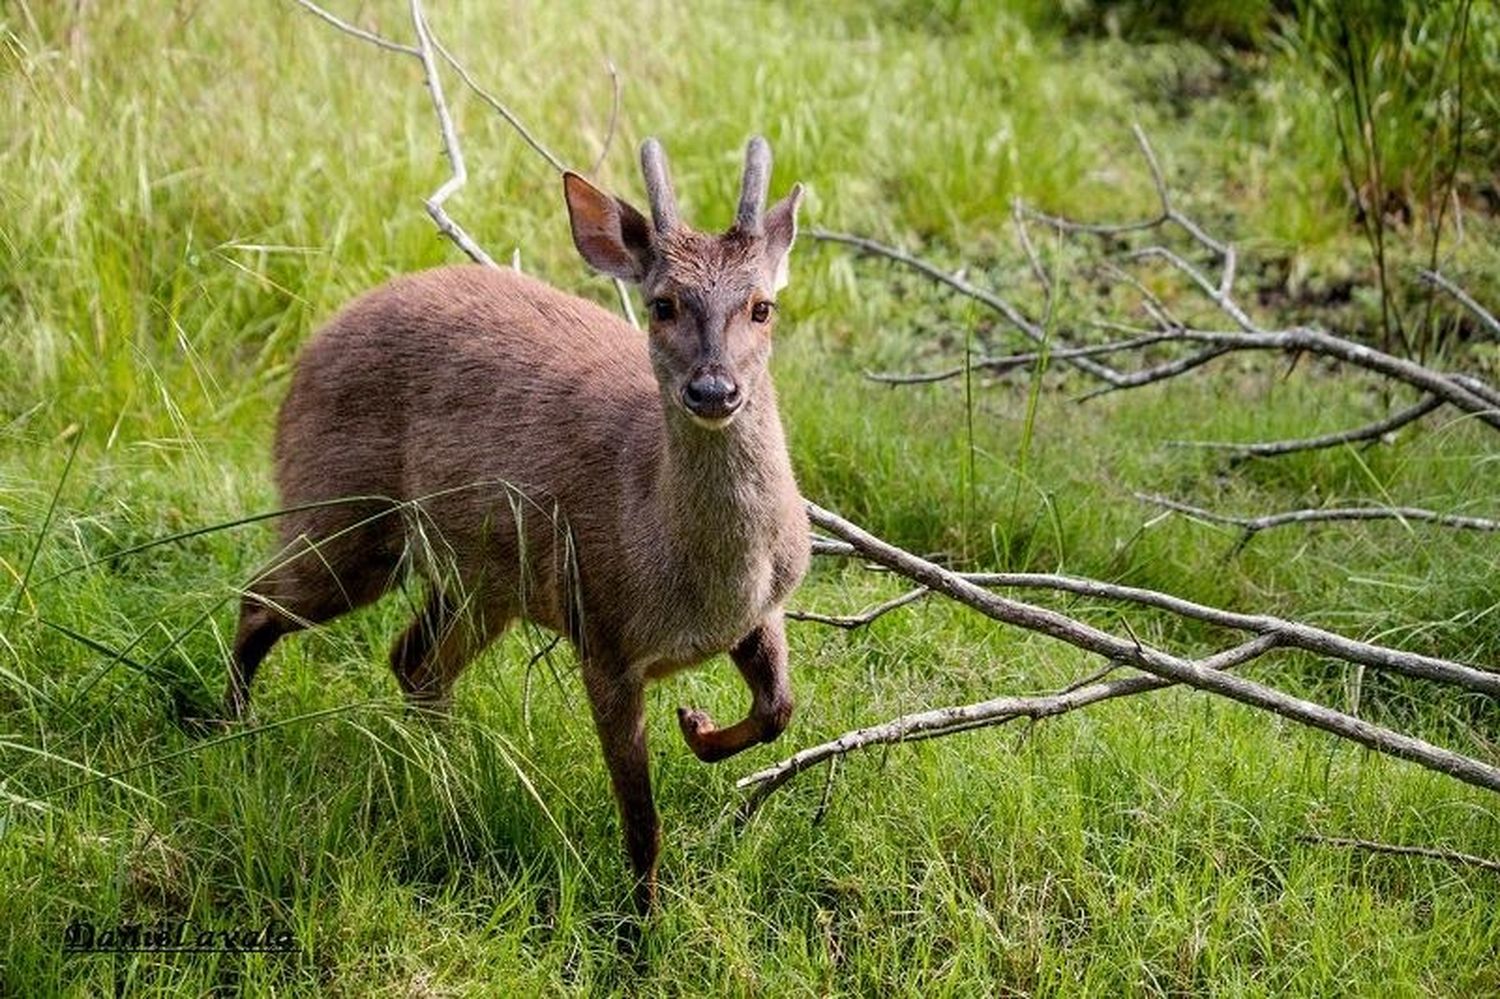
[{"x": 711, "y": 395}]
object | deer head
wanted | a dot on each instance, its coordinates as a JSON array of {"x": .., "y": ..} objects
[{"x": 711, "y": 297}]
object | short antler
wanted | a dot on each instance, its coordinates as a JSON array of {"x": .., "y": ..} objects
[
  {"x": 658, "y": 186},
  {"x": 753, "y": 186}
]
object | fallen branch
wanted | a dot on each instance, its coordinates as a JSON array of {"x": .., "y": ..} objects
[
  {"x": 864, "y": 617},
  {"x": 1206, "y": 675},
  {"x": 1289, "y": 634},
  {"x": 950, "y": 721},
  {"x": 1252, "y": 526},
  {"x": 1010, "y": 362},
  {"x": 1467, "y": 393},
  {"x": 1432, "y": 853},
  {"x": 1379, "y": 430}
]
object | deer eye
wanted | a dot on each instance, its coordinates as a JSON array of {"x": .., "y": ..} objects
[
  {"x": 663, "y": 310},
  {"x": 761, "y": 311}
]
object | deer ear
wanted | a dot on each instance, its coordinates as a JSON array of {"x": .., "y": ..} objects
[
  {"x": 781, "y": 231},
  {"x": 612, "y": 236}
]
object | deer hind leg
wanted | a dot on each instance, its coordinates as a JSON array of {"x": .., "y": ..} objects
[
  {"x": 762, "y": 661},
  {"x": 313, "y": 583},
  {"x": 443, "y": 639}
]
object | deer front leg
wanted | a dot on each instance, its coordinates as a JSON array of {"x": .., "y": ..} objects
[
  {"x": 761, "y": 658},
  {"x": 619, "y": 706}
]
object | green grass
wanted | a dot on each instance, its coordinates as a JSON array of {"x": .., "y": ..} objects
[{"x": 187, "y": 190}]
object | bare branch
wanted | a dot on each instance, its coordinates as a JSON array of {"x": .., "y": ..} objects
[
  {"x": 1010, "y": 362},
  {"x": 1372, "y": 431},
  {"x": 1169, "y": 213},
  {"x": 1159, "y": 373},
  {"x": 1023, "y": 236},
  {"x": 357, "y": 32},
  {"x": 950, "y": 721},
  {"x": 498, "y": 106},
  {"x": 1485, "y": 317},
  {"x": 451, "y": 148},
  {"x": 1432, "y": 853},
  {"x": 1464, "y": 392},
  {"x": 428, "y": 42},
  {"x": 614, "y": 116},
  {"x": 1163, "y": 666},
  {"x": 1012, "y": 315},
  {"x": 1322, "y": 515},
  {"x": 1290, "y": 634},
  {"x": 865, "y": 616}
]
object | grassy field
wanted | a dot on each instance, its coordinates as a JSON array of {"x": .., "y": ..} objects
[{"x": 186, "y": 190}]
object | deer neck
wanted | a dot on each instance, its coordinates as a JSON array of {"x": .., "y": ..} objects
[{"x": 722, "y": 491}]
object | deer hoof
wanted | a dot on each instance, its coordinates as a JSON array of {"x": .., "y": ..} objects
[{"x": 694, "y": 723}]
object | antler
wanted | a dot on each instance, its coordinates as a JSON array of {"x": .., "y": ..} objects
[
  {"x": 753, "y": 187},
  {"x": 658, "y": 186}
]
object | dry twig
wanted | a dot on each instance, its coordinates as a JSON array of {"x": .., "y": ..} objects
[
  {"x": 1251, "y": 526},
  {"x": 864, "y": 617},
  {"x": 1432, "y": 853},
  {"x": 1485, "y": 317},
  {"x": 1379, "y": 430}
]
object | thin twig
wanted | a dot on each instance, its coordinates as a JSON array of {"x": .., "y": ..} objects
[
  {"x": 1372, "y": 431},
  {"x": 864, "y": 617},
  {"x": 1012, "y": 315},
  {"x": 498, "y": 106},
  {"x": 1322, "y": 515},
  {"x": 1432, "y": 853},
  {"x": 614, "y": 116},
  {"x": 1485, "y": 317},
  {"x": 357, "y": 32},
  {"x": 1010, "y": 362},
  {"x": 428, "y": 43}
]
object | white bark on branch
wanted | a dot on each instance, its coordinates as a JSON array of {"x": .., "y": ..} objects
[
  {"x": 451, "y": 148},
  {"x": 950, "y": 721}
]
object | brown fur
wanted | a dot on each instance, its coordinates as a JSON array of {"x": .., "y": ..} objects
[{"x": 528, "y": 453}]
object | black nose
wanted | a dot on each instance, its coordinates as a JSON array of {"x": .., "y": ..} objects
[{"x": 711, "y": 395}]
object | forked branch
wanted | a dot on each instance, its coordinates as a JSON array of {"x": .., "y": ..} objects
[{"x": 1164, "y": 668}]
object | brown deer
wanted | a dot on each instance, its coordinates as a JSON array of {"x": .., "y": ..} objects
[{"x": 534, "y": 457}]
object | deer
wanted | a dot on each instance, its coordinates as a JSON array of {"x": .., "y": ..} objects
[{"x": 534, "y": 457}]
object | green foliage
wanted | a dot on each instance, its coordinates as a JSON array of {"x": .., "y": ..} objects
[{"x": 187, "y": 190}]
